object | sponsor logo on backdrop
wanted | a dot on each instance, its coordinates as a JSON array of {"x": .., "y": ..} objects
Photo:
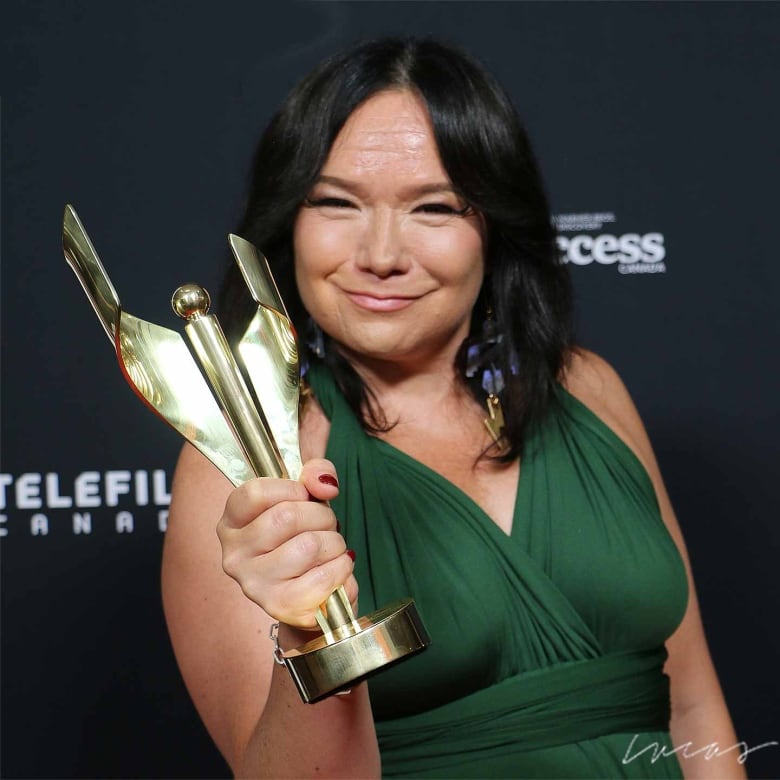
[
  {"x": 595, "y": 239},
  {"x": 119, "y": 501}
]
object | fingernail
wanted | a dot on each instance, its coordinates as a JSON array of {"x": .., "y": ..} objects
[
  {"x": 328, "y": 479},
  {"x": 351, "y": 554}
]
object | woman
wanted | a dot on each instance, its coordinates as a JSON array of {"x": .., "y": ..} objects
[{"x": 398, "y": 201}]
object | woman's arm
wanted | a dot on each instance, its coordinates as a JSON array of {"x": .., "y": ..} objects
[
  {"x": 699, "y": 713},
  {"x": 282, "y": 547}
]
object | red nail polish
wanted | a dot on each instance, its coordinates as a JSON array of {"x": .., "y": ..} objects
[
  {"x": 328, "y": 479},
  {"x": 351, "y": 554}
]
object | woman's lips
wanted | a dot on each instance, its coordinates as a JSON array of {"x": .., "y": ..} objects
[{"x": 380, "y": 304}]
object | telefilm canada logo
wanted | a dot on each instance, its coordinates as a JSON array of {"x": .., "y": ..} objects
[
  {"x": 592, "y": 238},
  {"x": 117, "y": 501}
]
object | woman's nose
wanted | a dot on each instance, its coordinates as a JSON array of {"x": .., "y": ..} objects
[{"x": 382, "y": 248}]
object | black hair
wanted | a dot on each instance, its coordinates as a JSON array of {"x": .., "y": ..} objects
[{"x": 487, "y": 156}]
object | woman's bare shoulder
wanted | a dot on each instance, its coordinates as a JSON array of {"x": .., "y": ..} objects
[
  {"x": 589, "y": 375},
  {"x": 595, "y": 383}
]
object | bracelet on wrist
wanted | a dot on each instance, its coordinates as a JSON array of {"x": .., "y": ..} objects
[{"x": 273, "y": 634}]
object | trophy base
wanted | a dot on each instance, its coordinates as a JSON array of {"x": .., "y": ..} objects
[{"x": 326, "y": 665}]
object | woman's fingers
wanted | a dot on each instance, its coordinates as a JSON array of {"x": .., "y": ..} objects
[
  {"x": 283, "y": 542},
  {"x": 252, "y": 498},
  {"x": 295, "y": 601},
  {"x": 305, "y": 552}
]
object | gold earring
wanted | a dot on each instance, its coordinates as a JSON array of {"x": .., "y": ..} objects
[{"x": 494, "y": 422}]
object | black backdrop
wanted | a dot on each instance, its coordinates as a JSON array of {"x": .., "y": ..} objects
[{"x": 657, "y": 126}]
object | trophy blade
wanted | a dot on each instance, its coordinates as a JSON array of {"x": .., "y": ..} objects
[
  {"x": 257, "y": 275},
  {"x": 155, "y": 361},
  {"x": 84, "y": 261},
  {"x": 269, "y": 354},
  {"x": 161, "y": 370}
]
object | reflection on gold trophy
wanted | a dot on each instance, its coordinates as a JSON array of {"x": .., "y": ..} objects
[{"x": 246, "y": 424}]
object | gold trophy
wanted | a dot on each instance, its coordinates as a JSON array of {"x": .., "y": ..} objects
[{"x": 246, "y": 424}]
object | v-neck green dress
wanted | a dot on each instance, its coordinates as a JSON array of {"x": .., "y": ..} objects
[{"x": 547, "y": 644}]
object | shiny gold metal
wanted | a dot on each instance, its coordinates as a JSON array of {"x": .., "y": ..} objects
[
  {"x": 494, "y": 422},
  {"x": 245, "y": 428},
  {"x": 320, "y": 668}
]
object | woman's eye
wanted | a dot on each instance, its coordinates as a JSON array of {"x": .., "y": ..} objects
[
  {"x": 339, "y": 203},
  {"x": 441, "y": 208}
]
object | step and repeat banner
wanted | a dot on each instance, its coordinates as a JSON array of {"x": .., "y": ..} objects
[{"x": 657, "y": 127}]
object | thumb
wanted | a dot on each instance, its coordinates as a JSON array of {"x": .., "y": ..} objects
[{"x": 319, "y": 478}]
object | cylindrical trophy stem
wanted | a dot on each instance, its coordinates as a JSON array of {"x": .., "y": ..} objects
[
  {"x": 336, "y": 617},
  {"x": 224, "y": 376}
]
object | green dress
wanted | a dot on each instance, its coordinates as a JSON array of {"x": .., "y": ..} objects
[{"x": 548, "y": 643}]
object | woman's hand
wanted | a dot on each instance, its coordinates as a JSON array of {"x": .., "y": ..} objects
[{"x": 280, "y": 543}]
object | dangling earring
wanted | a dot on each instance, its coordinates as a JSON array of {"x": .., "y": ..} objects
[
  {"x": 481, "y": 354},
  {"x": 493, "y": 384},
  {"x": 315, "y": 339}
]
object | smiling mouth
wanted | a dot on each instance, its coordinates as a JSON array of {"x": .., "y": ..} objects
[{"x": 385, "y": 303}]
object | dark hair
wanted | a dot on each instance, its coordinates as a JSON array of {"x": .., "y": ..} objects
[{"x": 488, "y": 157}]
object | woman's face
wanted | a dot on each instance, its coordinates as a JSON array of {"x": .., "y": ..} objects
[{"x": 388, "y": 259}]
